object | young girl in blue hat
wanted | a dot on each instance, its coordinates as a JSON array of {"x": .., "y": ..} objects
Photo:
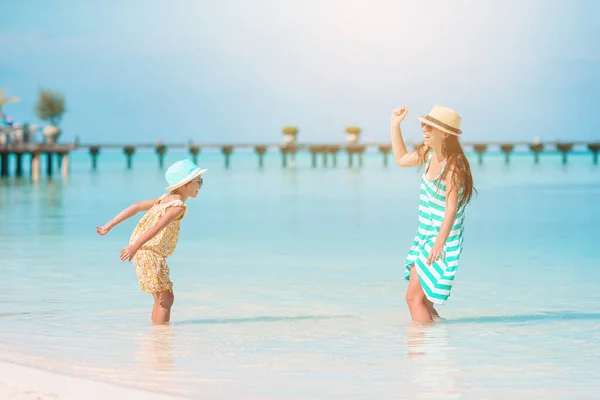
[{"x": 155, "y": 236}]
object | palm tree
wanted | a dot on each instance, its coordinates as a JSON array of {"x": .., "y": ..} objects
[{"x": 6, "y": 100}]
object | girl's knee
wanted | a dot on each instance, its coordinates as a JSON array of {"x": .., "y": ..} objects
[
  {"x": 415, "y": 297},
  {"x": 166, "y": 299}
]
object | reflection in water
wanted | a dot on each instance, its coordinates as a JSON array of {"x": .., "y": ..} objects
[
  {"x": 264, "y": 318},
  {"x": 415, "y": 340},
  {"x": 54, "y": 194},
  {"x": 156, "y": 349},
  {"x": 31, "y": 208},
  {"x": 432, "y": 373},
  {"x": 53, "y": 211}
]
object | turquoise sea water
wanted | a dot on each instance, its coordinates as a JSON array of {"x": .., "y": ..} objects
[{"x": 288, "y": 283}]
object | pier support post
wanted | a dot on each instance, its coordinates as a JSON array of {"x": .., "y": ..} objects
[
  {"x": 129, "y": 150},
  {"x": 355, "y": 149},
  {"x": 385, "y": 150},
  {"x": 536, "y": 148},
  {"x": 194, "y": 150},
  {"x": 480, "y": 148},
  {"x": 59, "y": 159},
  {"x": 314, "y": 151},
  {"x": 260, "y": 150},
  {"x": 507, "y": 149},
  {"x": 285, "y": 150},
  {"x": 227, "y": 150},
  {"x": 64, "y": 165},
  {"x": 3, "y": 164},
  {"x": 161, "y": 149},
  {"x": 35, "y": 166},
  {"x": 564, "y": 148},
  {"x": 49, "y": 165},
  {"x": 94, "y": 151},
  {"x": 594, "y": 148},
  {"x": 284, "y": 156},
  {"x": 19, "y": 161},
  {"x": 333, "y": 150}
]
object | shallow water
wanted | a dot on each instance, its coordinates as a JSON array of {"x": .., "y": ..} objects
[{"x": 288, "y": 283}]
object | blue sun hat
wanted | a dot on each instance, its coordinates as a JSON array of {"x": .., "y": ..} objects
[{"x": 182, "y": 172}]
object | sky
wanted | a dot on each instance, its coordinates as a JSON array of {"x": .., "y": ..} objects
[{"x": 237, "y": 71}]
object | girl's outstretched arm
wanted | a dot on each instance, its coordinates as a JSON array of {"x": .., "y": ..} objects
[
  {"x": 403, "y": 157},
  {"x": 129, "y": 212},
  {"x": 171, "y": 214},
  {"x": 448, "y": 221}
]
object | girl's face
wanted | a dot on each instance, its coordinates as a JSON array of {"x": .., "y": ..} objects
[
  {"x": 432, "y": 137},
  {"x": 192, "y": 187}
]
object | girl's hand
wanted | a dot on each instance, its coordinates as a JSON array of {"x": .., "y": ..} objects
[
  {"x": 103, "y": 230},
  {"x": 437, "y": 252},
  {"x": 128, "y": 252},
  {"x": 398, "y": 115}
]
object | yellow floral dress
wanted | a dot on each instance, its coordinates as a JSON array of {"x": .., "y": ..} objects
[{"x": 150, "y": 260}]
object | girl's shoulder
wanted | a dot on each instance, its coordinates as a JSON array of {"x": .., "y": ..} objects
[
  {"x": 170, "y": 200},
  {"x": 430, "y": 154}
]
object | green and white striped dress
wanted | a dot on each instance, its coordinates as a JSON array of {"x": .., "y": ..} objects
[{"x": 437, "y": 278}]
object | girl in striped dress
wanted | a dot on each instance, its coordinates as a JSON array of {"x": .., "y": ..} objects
[{"x": 446, "y": 189}]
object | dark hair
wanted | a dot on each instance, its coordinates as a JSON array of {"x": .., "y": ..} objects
[{"x": 458, "y": 163}]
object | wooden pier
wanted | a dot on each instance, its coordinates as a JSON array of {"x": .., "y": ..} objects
[
  {"x": 34, "y": 153},
  {"x": 354, "y": 151},
  {"x": 288, "y": 152}
]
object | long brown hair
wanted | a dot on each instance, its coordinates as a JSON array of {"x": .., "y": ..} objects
[{"x": 457, "y": 162}]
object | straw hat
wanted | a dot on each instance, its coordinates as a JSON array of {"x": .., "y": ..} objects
[
  {"x": 444, "y": 119},
  {"x": 182, "y": 172}
]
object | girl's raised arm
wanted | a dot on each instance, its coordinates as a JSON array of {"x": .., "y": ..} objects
[{"x": 403, "y": 157}]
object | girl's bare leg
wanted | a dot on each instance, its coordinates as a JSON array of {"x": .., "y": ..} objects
[
  {"x": 155, "y": 306},
  {"x": 415, "y": 299},
  {"x": 432, "y": 310},
  {"x": 162, "y": 315}
]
